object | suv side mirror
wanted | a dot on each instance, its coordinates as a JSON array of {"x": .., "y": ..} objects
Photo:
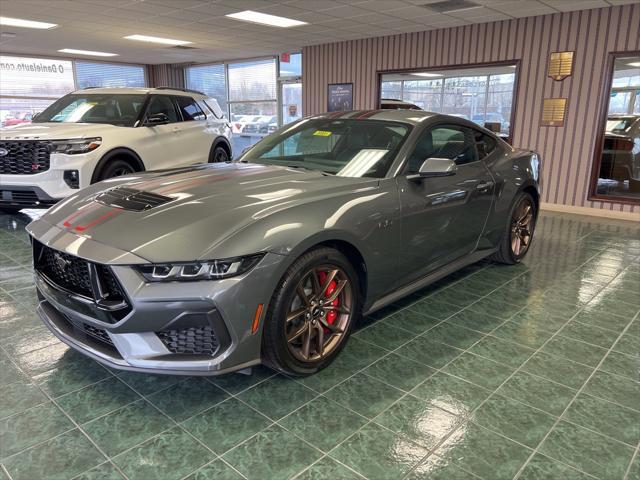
[
  {"x": 435, "y": 167},
  {"x": 156, "y": 119}
]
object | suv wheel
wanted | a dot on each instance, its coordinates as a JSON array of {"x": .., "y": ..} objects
[
  {"x": 219, "y": 154},
  {"x": 116, "y": 168},
  {"x": 311, "y": 313}
]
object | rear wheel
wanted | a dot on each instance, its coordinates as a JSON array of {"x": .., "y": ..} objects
[
  {"x": 219, "y": 154},
  {"x": 115, "y": 168},
  {"x": 311, "y": 313},
  {"x": 519, "y": 232}
]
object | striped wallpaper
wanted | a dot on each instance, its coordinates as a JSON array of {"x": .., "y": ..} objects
[{"x": 566, "y": 151}]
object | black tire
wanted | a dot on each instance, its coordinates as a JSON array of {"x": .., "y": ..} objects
[
  {"x": 115, "y": 168},
  {"x": 219, "y": 154},
  {"x": 10, "y": 210},
  {"x": 275, "y": 347},
  {"x": 505, "y": 253}
]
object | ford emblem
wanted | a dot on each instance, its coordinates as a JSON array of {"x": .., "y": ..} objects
[{"x": 3, "y": 152}]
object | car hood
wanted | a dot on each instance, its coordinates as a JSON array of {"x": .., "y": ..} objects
[
  {"x": 54, "y": 131},
  {"x": 206, "y": 206}
]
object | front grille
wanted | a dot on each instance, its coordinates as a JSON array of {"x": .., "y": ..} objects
[
  {"x": 192, "y": 341},
  {"x": 131, "y": 199},
  {"x": 66, "y": 271},
  {"x": 74, "y": 275},
  {"x": 24, "y": 157}
]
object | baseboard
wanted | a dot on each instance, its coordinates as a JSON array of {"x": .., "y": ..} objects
[{"x": 594, "y": 212}]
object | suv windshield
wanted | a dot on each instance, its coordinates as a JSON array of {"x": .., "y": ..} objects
[
  {"x": 347, "y": 148},
  {"x": 117, "y": 109},
  {"x": 619, "y": 124}
]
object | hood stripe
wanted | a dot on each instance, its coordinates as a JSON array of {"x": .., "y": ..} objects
[{"x": 101, "y": 219}]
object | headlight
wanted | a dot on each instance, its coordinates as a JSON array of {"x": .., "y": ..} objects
[
  {"x": 72, "y": 147},
  {"x": 209, "y": 270}
]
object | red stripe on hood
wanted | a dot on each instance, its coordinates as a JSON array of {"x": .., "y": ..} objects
[{"x": 101, "y": 219}]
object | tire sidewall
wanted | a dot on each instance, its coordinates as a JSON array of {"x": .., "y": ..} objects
[
  {"x": 212, "y": 155},
  {"x": 274, "y": 333}
]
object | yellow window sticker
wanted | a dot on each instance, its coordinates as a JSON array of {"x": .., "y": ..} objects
[{"x": 321, "y": 133}]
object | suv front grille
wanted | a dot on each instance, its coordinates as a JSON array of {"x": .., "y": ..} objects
[
  {"x": 74, "y": 275},
  {"x": 191, "y": 341},
  {"x": 131, "y": 199},
  {"x": 24, "y": 157}
]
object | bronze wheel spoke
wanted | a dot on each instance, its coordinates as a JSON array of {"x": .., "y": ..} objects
[
  {"x": 336, "y": 291},
  {"x": 295, "y": 314},
  {"x": 306, "y": 347},
  {"x": 523, "y": 215},
  {"x": 337, "y": 309},
  {"x": 330, "y": 326},
  {"x": 319, "y": 339},
  {"x": 297, "y": 333},
  {"x": 317, "y": 289},
  {"x": 302, "y": 294},
  {"x": 327, "y": 281}
]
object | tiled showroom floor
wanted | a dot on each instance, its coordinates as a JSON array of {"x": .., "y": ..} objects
[{"x": 497, "y": 372}]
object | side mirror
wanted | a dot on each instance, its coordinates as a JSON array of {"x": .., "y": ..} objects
[
  {"x": 435, "y": 167},
  {"x": 156, "y": 119},
  {"x": 35, "y": 115}
]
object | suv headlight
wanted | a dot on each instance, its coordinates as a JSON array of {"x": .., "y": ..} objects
[
  {"x": 209, "y": 270},
  {"x": 72, "y": 147}
]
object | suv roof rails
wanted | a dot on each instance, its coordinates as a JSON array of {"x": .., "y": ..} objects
[
  {"x": 88, "y": 88},
  {"x": 180, "y": 89}
]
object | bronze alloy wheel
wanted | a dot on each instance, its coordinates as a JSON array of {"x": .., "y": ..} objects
[
  {"x": 522, "y": 223},
  {"x": 319, "y": 313}
]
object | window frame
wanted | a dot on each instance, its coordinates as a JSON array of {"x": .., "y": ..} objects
[
  {"x": 603, "y": 113},
  {"x": 150, "y": 98},
  {"x": 179, "y": 109}
]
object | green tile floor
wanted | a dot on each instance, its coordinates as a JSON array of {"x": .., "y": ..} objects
[{"x": 497, "y": 372}]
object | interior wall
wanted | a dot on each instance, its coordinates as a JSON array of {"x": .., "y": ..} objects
[
  {"x": 567, "y": 152},
  {"x": 166, "y": 75}
]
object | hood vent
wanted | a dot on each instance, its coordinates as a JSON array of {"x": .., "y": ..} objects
[
  {"x": 450, "y": 6},
  {"x": 131, "y": 199}
]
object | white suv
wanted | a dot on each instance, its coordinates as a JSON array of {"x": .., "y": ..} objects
[{"x": 98, "y": 133}]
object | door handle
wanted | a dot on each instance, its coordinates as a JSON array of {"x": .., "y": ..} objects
[{"x": 484, "y": 187}]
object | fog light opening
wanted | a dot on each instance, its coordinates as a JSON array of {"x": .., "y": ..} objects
[{"x": 72, "y": 178}]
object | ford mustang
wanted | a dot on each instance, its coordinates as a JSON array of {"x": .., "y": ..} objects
[{"x": 272, "y": 259}]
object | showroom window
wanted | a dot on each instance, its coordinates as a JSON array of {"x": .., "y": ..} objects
[
  {"x": 616, "y": 171},
  {"x": 94, "y": 74},
  {"x": 209, "y": 79},
  {"x": 29, "y": 85},
  {"x": 483, "y": 95},
  {"x": 290, "y": 89}
]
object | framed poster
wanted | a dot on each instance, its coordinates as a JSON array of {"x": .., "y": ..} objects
[{"x": 340, "y": 97}]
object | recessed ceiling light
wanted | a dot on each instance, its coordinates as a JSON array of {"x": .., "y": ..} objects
[
  {"x": 634, "y": 64},
  {"x": 164, "y": 41},
  {"x": 87, "y": 52},
  {"x": 427, "y": 74},
  {"x": 18, "y": 22},
  {"x": 512, "y": 66},
  {"x": 266, "y": 19}
]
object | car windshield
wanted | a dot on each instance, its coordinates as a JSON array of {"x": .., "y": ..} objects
[
  {"x": 619, "y": 124},
  {"x": 347, "y": 148},
  {"x": 118, "y": 109}
]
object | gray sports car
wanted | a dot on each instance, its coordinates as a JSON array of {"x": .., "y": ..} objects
[{"x": 273, "y": 258}]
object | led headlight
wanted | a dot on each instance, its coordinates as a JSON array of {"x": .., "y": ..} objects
[
  {"x": 209, "y": 270},
  {"x": 72, "y": 147}
]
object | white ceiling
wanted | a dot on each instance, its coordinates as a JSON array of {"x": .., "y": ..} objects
[{"x": 99, "y": 25}]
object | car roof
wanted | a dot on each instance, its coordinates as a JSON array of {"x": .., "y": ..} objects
[
  {"x": 413, "y": 117},
  {"x": 140, "y": 91}
]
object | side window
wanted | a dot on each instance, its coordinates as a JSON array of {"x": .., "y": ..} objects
[
  {"x": 484, "y": 144},
  {"x": 189, "y": 109},
  {"x": 446, "y": 141},
  {"x": 163, "y": 104}
]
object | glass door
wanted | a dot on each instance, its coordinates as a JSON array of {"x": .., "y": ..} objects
[{"x": 290, "y": 101}]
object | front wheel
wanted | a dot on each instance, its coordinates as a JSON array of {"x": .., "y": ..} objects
[
  {"x": 311, "y": 313},
  {"x": 517, "y": 238},
  {"x": 115, "y": 168}
]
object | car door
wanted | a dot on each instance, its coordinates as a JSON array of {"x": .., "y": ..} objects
[
  {"x": 442, "y": 217},
  {"x": 193, "y": 131},
  {"x": 158, "y": 145}
]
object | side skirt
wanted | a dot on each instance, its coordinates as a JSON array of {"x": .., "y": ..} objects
[{"x": 429, "y": 279}]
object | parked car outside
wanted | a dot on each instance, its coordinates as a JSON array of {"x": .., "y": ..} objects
[
  {"x": 99, "y": 133},
  {"x": 17, "y": 120}
]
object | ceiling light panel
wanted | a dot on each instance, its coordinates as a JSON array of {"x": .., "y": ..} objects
[
  {"x": 19, "y": 22},
  {"x": 75, "y": 51},
  {"x": 265, "y": 19},
  {"x": 163, "y": 41}
]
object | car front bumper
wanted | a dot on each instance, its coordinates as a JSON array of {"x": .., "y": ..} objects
[
  {"x": 46, "y": 188},
  {"x": 138, "y": 341}
]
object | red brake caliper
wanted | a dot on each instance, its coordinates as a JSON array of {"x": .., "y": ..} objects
[{"x": 332, "y": 315}]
